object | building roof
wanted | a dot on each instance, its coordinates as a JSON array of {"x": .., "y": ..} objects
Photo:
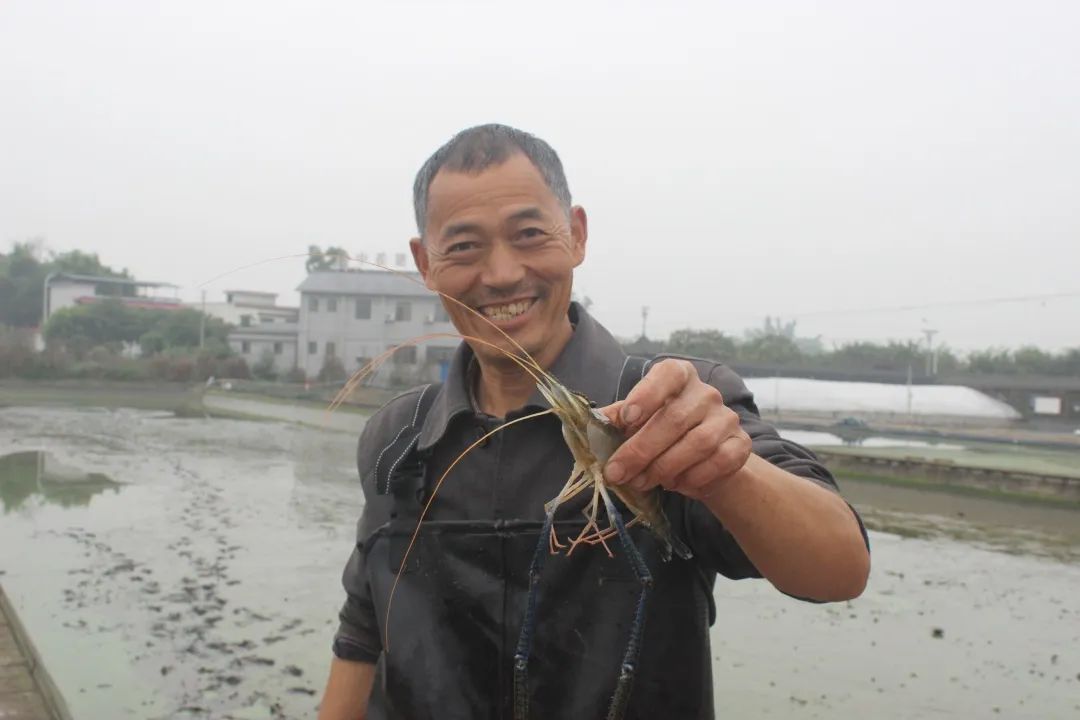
[
  {"x": 138, "y": 302},
  {"x": 264, "y": 308},
  {"x": 365, "y": 282},
  {"x": 111, "y": 280}
]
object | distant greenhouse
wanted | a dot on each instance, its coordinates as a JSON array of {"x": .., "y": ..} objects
[{"x": 794, "y": 395}]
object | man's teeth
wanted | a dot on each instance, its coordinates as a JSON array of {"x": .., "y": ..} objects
[{"x": 507, "y": 312}]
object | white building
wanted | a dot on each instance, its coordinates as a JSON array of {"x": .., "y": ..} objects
[
  {"x": 356, "y": 315},
  {"x": 245, "y": 308},
  {"x": 261, "y": 326},
  {"x": 66, "y": 290}
]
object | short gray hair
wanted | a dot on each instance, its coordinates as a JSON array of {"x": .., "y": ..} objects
[{"x": 478, "y": 148}]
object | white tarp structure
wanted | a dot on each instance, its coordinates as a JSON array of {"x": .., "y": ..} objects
[{"x": 816, "y": 396}]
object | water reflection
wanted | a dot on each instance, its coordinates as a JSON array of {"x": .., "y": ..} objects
[{"x": 25, "y": 474}]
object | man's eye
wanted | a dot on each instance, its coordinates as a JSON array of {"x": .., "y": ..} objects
[
  {"x": 460, "y": 247},
  {"x": 532, "y": 233}
]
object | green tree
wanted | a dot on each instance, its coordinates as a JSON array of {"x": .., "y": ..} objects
[
  {"x": 1032, "y": 360},
  {"x": 893, "y": 356},
  {"x": 708, "y": 344},
  {"x": 317, "y": 260},
  {"x": 337, "y": 258},
  {"x": 22, "y": 278},
  {"x": 111, "y": 321},
  {"x": 771, "y": 350},
  {"x": 991, "y": 361}
]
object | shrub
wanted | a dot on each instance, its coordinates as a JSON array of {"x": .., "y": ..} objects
[
  {"x": 332, "y": 370},
  {"x": 295, "y": 375},
  {"x": 264, "y": 368},
  {"x": 234, "y": 367}
]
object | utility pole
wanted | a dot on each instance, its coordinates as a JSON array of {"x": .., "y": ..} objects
[
  {"x": 202, "y": 322},
  {"x": 45, "y": 307},
  {"x": 644, "y": 318},
  {"x": 909, "y": 392},
  {"x": 931, "y": 366}
]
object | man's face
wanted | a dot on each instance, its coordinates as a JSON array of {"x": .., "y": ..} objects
[{"x": 500, "y": 242}]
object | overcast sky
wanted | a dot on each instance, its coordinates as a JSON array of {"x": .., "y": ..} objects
[{"x": 735, "y": 159}]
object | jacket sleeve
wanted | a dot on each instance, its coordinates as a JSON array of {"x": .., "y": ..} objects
[
  {"x": 714, "y": 546},
  {"x": 358, "y": 635}
]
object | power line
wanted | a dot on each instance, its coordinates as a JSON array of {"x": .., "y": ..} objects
[{"x": 934, "y": 305}]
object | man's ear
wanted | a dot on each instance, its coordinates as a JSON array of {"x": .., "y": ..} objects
[
  {"x": 579, "y": 233},
  {"x": 420, "y": 257}
]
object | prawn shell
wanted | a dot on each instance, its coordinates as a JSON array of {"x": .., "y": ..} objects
[{"x": 648, "y": 505}]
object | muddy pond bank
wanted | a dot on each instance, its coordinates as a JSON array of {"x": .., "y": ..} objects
[{"x": 203, "y": 580}]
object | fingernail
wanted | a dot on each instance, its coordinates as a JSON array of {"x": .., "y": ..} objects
[
  {"x": 630, "y": 413},
  {"x": 613, "y": 473}
]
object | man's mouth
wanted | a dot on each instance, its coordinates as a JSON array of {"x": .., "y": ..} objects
[{"x": 507, "y": 311}]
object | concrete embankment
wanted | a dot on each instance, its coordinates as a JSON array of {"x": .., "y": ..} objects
[
  {"x": 951, "y": 475},
  {"x": 944, "y": 429},
  {"x": 26, "y": 690}
]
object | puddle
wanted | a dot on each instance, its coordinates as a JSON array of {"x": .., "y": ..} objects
[{"x": 36, "y": 475}]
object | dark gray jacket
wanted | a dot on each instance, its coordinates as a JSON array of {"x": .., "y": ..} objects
[{"x": 458, "y": 607}]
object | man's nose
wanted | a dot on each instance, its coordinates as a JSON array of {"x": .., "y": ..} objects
[{"x": 503, "y": 268}]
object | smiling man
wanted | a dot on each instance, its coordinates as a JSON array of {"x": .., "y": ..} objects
[{"x": 499, "y": 234}]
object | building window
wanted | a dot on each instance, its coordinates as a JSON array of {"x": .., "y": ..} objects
[
  {"x": 312, "y": 347},
  {"x": 405, "y": 355},
  {"x": 245, "y": 321},
  {"x": 403, "y": 312},
  {"x": 313, "y": 304},
  {"x": 440, "y": 313},
  {"x": 363, "y": 308},
  {"x": 245, "y": 346},
  {"x": 331, "y": 349},
  {"x": 278, "y": 348},
  {"x": 266, "y": 320},
  {"x": 331, "y": 304}
]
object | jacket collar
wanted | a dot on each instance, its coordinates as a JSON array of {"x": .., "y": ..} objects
[{"x": 591, "y": 364}]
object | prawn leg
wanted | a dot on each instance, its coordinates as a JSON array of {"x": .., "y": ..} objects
[{"x": 621, "y": 697}]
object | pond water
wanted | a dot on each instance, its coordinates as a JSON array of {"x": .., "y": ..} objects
[{"x": 172, "y": 568}]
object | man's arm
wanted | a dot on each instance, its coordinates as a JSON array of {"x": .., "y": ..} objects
[
  {"x": 347, "y": 690},
  {"x": 799, "y": 535},
  {"x": 803, "y": 538}
]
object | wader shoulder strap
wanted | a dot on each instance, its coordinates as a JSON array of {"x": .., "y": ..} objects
[
  {"x": 632, "y": 371},
  {"x": 400, "y": 471}
]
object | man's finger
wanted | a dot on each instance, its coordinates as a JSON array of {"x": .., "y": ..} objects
[
  {"x": 699, "y": 480},
  {"x": 690, "y": 449},
  {"x": 660, "y": 432},
  {"x": 664, "y": 381}
]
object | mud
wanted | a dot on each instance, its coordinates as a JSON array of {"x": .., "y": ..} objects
[{"x": 172, "y": 568}]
